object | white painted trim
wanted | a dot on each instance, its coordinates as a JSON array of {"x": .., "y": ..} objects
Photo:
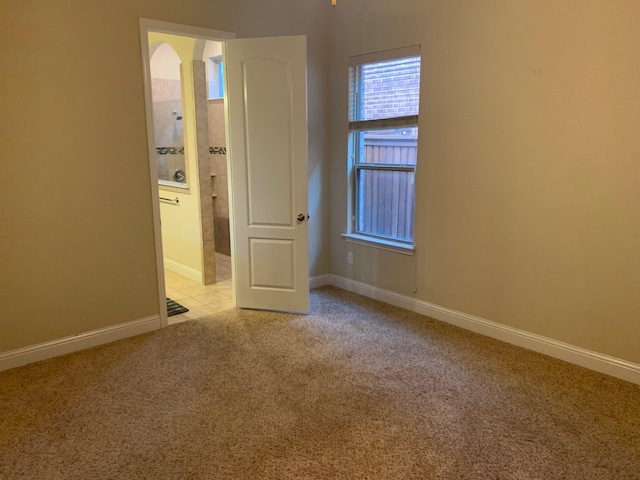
[
  {"x": 181, "y": 269},
  {"x": 403, "y": 52},
  {"x": 380, "y": 243},
  {"x": 569, "y": 353},
  {"x": 62, "y": 346},
  {"x": 184, "y": 30},
  {"x": 319, "y": 281},
  {"x": 153, "y": 172}
]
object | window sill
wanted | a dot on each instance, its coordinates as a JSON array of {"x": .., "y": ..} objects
[
  {"x": 176, "y": 187},
  {"x": 388, "y": 245}
]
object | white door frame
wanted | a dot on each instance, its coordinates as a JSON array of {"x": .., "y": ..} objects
[{"x": 146, "y": 26}]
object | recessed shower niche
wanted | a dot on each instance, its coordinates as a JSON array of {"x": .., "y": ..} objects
[{"x": 168, "y": 124}]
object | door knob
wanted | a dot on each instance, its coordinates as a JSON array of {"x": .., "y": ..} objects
[{"x": 301, "y": 217}]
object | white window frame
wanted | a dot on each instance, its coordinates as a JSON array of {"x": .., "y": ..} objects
[{"x": 352, "y": 234}]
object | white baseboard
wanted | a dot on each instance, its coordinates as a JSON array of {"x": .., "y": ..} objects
[
  {"x": 319, "y": 281},
  {"x": 569, "y": 353},
  {"x": 579, "y": 356},
  {"x": 44, "y": 351},
  {"x": 181, "y": 269}
]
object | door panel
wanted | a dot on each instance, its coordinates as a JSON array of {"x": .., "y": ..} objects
[
  {"x": 268, "y": 129},
  {"x": 267, "y": 259},
  {"x": 267, "y": 111}
]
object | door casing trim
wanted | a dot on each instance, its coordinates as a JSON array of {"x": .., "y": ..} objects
[{"x": 148, "y": 25}]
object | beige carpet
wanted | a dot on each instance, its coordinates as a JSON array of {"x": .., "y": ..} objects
[{"x": 355, "y": 390}]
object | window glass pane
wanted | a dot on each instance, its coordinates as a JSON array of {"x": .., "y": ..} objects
[
  {"x": 385, "y": 203},
  {"x": 387, "y": 89},
  {"x": 221, "y": 79},
  {"x": 397, "y": 146},
  {"x": 215, "y": 78}
]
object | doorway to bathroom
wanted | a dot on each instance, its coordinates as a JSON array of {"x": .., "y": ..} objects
[
  {"x": 265, "y": 122},
  {"x": 205, "y": 288},
  {"x": 189, "y": 131}
]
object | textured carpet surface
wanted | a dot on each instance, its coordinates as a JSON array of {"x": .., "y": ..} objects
[{"x": 355, "y": 390}]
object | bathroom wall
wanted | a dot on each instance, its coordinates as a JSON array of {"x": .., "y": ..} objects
[
  {"x": 166, "y": 91},
  {"x": 218, "y": 150},
  {"x": 169, "y": 135},
  {"x": 181, "y": 226}
]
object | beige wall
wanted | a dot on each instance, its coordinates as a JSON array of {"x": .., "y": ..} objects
[
  {"x": 528, "y": 211},
  {"x": 528, "y": 206},
  {"x": 77, "y": 248}
]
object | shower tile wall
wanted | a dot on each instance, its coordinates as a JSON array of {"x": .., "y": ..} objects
[
  {"x": 168, "y": 131},
  {"x": 219, "y": 168},
  {"x": 204, "y": 172}
]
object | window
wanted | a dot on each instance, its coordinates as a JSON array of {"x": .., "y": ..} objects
[
  {"x": 384, "y": 97},
  {"x": 215, "y": 77}
]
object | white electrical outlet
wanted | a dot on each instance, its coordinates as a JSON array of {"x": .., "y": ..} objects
[{"x": 350, "y": 258}]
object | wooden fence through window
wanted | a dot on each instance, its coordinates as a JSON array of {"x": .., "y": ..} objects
[{"x": 386, "y": 196}]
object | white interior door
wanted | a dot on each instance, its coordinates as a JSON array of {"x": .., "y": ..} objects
[{"x": 267, "y": 118}]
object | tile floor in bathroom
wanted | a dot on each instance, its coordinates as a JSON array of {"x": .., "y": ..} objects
[{"x": 201, "y": 300}]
